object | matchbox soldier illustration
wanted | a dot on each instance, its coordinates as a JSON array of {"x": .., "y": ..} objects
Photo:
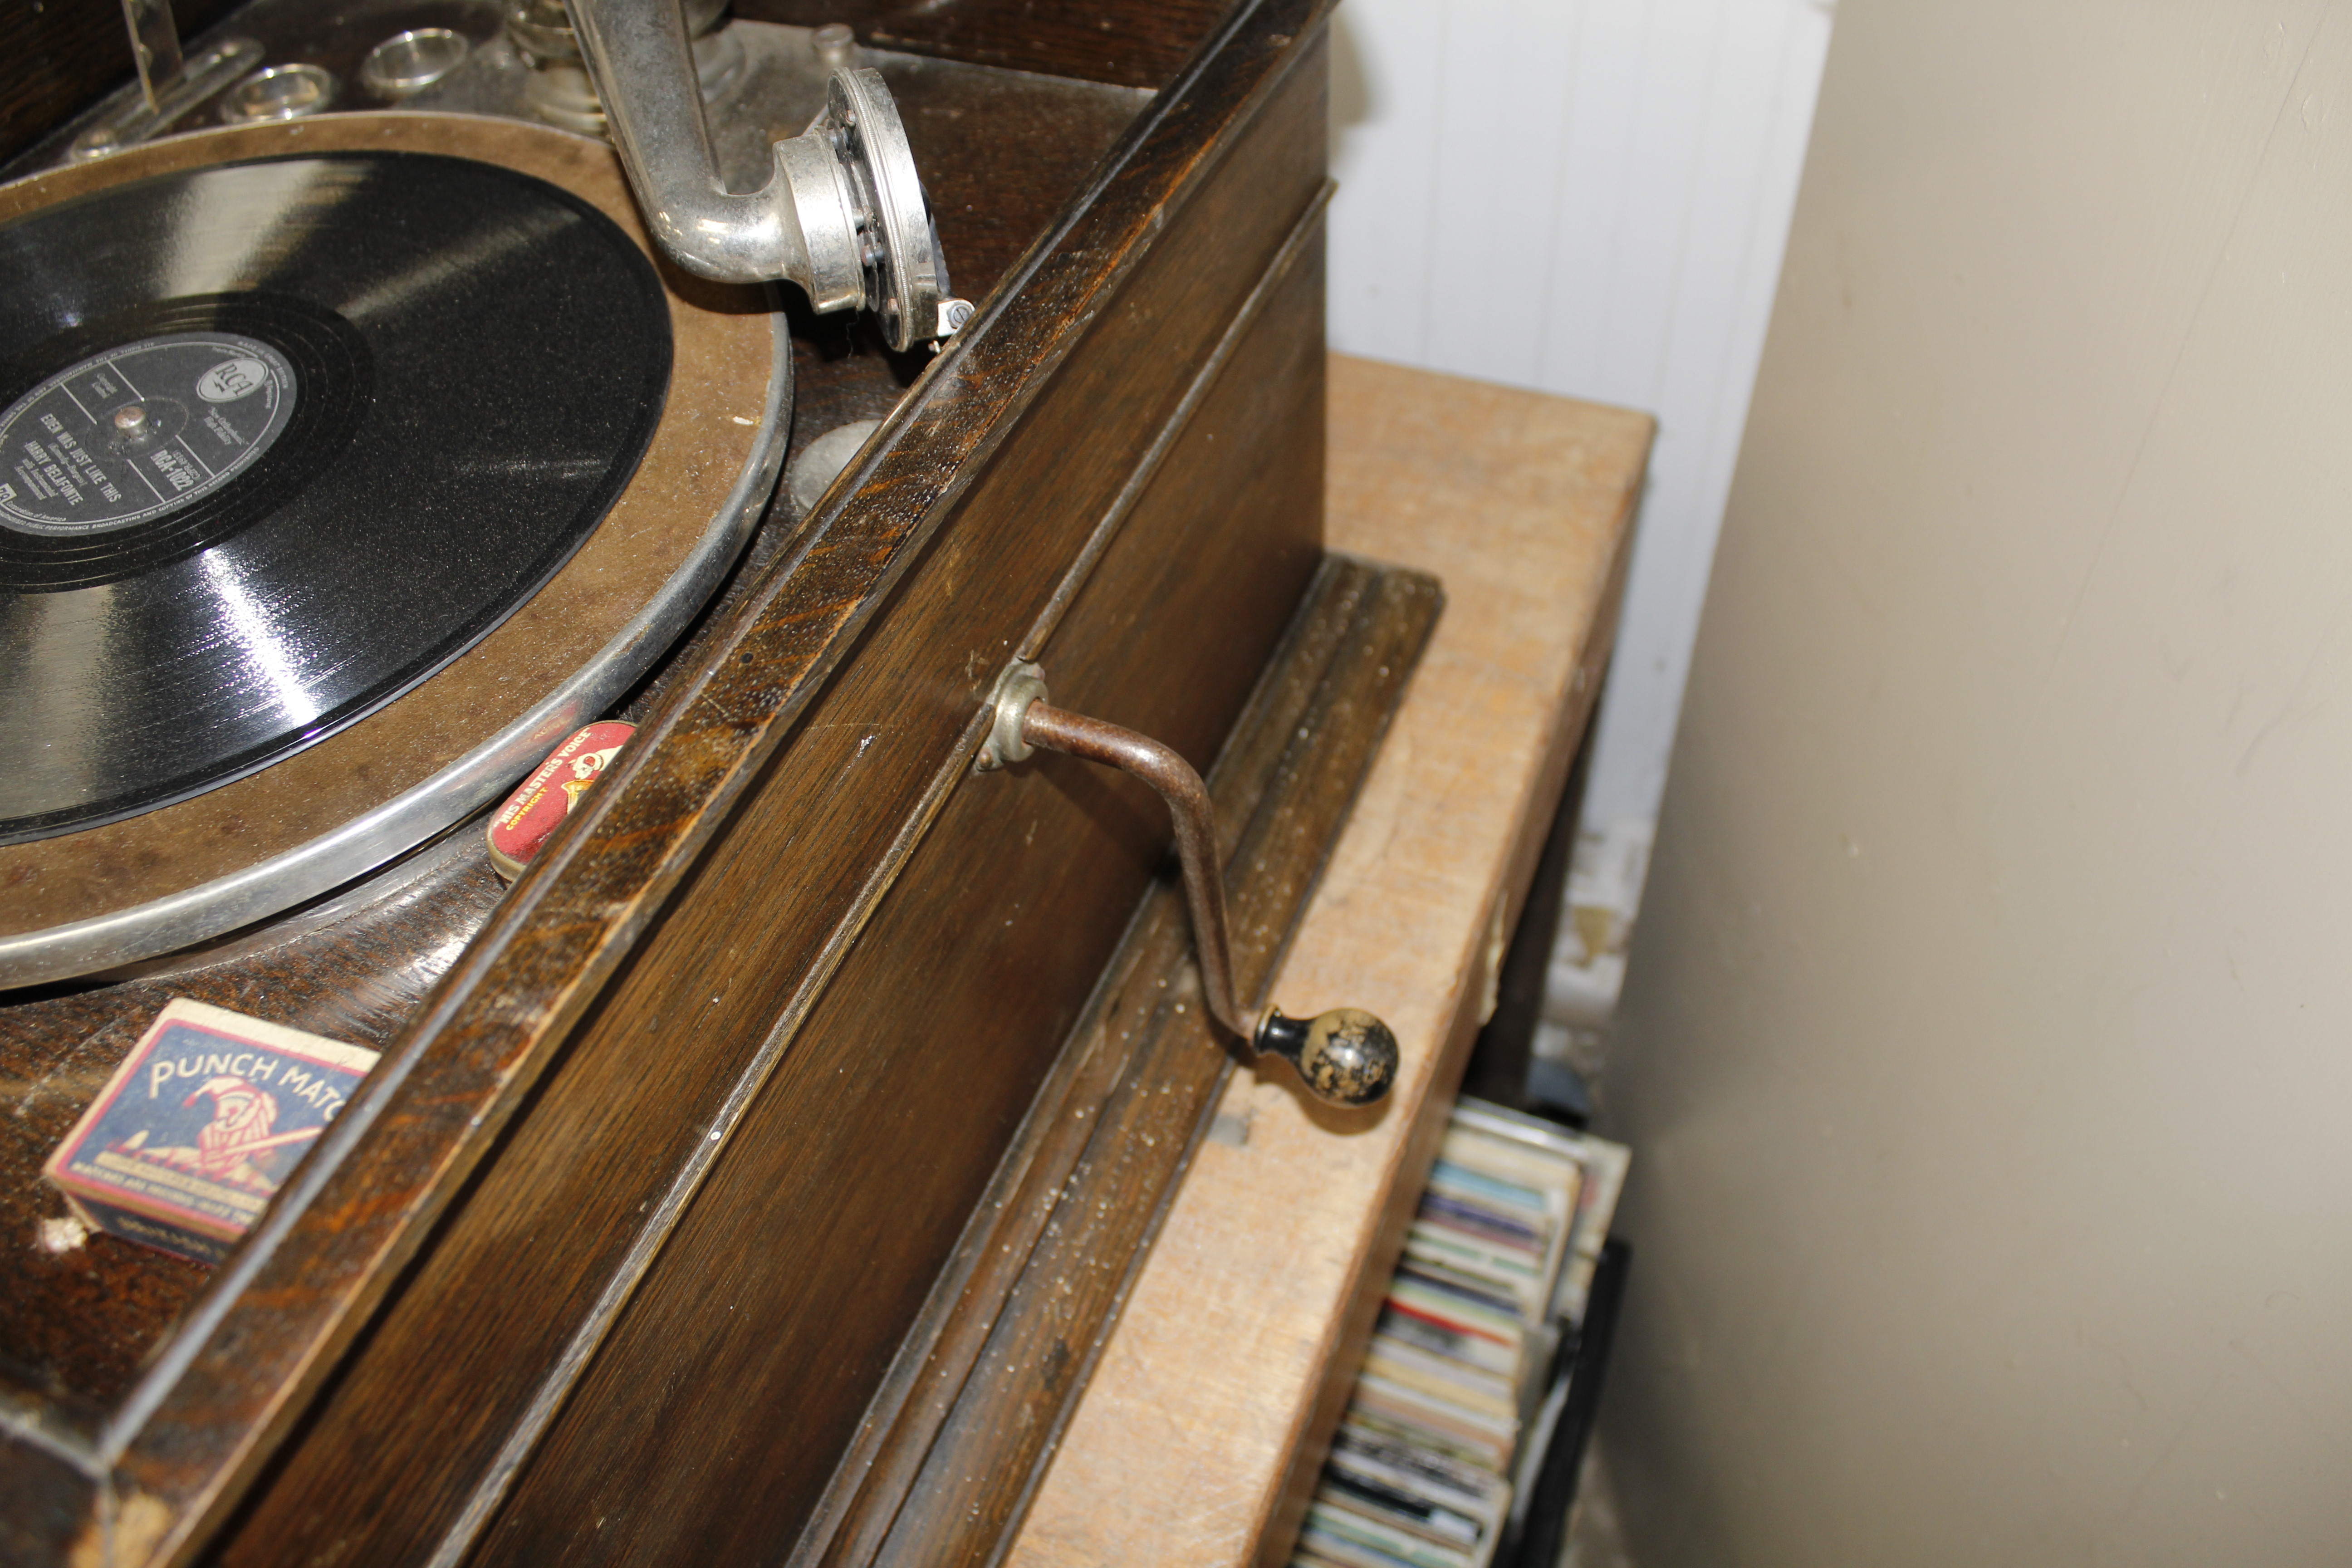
[{"x": 243, "y": 1115}]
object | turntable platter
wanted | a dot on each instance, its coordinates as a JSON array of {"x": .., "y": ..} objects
[
  {"x": 346, "y": 465},
  {"x": 257, "y": 387}
]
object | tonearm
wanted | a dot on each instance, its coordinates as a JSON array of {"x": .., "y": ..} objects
[{"x": 841, "y": 214}]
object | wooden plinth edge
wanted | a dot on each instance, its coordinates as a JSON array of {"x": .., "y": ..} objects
[{"x": 1211, "y": 1406}]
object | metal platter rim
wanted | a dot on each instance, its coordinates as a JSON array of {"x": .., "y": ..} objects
[{"x": 474, "y": 779}]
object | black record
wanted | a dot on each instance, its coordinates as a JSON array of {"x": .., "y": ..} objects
[{"x": 280, "y": 438}]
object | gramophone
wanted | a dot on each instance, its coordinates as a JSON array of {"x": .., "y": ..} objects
[{"x": 755, "y": 1175}]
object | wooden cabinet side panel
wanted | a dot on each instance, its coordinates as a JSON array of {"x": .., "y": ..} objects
[
  {"x": 745, "y": 1362},
  {"x": 594, "y": 1169}
]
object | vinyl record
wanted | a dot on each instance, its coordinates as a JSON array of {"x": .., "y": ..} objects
[
  {"x": 419, "y": 458},
  {"x": 278, "y": 438}
]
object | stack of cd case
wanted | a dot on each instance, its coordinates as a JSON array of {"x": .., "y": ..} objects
[{"x": 1497, "y": 1268}]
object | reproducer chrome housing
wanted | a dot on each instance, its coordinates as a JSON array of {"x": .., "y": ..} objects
[{"x": 841, "y": 214}]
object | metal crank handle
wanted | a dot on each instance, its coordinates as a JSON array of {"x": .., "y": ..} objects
[{"x": 1346, "y": 1056}]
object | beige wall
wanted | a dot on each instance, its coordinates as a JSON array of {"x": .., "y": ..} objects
[{"x": 1988, "y": 1045}]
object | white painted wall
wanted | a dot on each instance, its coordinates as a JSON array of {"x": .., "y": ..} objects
[{"x": 1587, "y": 198}]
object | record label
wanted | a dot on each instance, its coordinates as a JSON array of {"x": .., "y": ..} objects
[{"x": 139, "y": 432}]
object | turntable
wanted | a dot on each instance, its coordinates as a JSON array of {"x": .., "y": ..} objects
[{"x": 391, "y": 388}]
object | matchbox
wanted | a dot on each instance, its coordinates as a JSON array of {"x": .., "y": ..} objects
[{"x": 201, "y": 1125}]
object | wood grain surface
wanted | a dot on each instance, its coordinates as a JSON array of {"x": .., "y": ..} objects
[
  {"x": 77, "y": 1323},
  {"x": 893, "y": 1108},
  {"x": 1131, "y": 46},
  {"x": 499, "y": 1183},
  {"x": 871, "y": 1142},
  {"x": 1063, "y": 1236},
  {"x": 1201, "y": 1434}
]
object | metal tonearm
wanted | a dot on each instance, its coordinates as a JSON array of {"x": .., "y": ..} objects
[{"x": 841, "y": 214}]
